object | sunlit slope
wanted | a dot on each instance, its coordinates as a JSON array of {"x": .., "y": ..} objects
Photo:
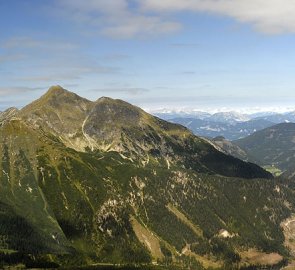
[{"x": 156, "y": 193}]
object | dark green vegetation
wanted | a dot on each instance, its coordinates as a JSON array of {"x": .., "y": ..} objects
[
  {"x": 83, "y": 183},
  {"x": 272, "y": 147}
]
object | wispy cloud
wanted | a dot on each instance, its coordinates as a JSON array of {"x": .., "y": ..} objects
[
  {"x": 10, "y": 91},
  {"x": 8, "y": 57},
  {"x": 116, "y": 18},
  {"x": 268, "y": 16},
  {"x": 48, "y": 60},
  {"x": 64, "y": 73},
  {"x": 32, "y": 43},
  {"x": 116, "y": 57},
  {"x": 188, "y": 73},
  {"x": 129, "y": 90}
]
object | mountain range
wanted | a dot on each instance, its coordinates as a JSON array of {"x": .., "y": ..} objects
[
  {"x": 230, "y": 125},
  {"x": 88, "y": 183},
  {"x": 230, "y": 131}
]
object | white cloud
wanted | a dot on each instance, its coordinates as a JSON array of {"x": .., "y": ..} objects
[
  {"x": 139, "y": 26},
  {"x": 268, "y": 16},
  {"x": 142, "y": 18},
  {"x": 116, "y": 18}
]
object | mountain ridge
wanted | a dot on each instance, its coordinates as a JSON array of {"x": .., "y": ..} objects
[
  {"x": 115, "y": 125},
  {"x": 273, "y": 146},
  {"x": 162, "y": 195}
]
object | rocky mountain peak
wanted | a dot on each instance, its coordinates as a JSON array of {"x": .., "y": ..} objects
[
  {"x": 58, "y": 98},
  {"x": 57, "y": 94},
  {"x": 56, "y": 90}
]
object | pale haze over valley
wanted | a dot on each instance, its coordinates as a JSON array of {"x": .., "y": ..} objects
[{"x": 169, "y": 54}]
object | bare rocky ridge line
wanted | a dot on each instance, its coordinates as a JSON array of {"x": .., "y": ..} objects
[{"x": 113, "y": 125}]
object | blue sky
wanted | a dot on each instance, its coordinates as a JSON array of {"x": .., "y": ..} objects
[{"x": 177, "y": 54}]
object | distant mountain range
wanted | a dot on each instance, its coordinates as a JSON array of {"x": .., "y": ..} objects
[
  {"x": 230, "y": 125},
  {"x": 231, "y": 131},
  {"x": 85, "y": 183},
  {"x": 182, "y": 114}
]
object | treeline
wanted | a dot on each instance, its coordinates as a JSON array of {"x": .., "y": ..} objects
[
  {"x": 19, "y": 234},
  {"x": 27, "y": 260}
]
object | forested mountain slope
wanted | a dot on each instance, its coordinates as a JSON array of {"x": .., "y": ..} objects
[{"x": 109, "y": 183}]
